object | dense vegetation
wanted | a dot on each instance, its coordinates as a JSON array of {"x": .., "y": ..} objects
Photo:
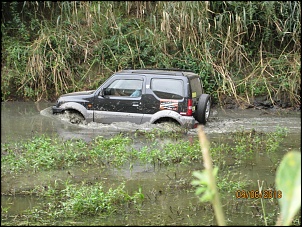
[{"x": 242, "y": 50}]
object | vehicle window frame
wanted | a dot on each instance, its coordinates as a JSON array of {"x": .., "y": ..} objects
[{"x": 117, "y": 88}]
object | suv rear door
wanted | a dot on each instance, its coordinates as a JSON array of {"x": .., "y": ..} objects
[
  {"x": 164, "y": 93},
  {"x": 119, "y": 100},
  {"x": 196, "y": 89}
]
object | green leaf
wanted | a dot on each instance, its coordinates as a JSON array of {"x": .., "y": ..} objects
[
  {"x": 288, "y": 181},
  {"x": 200, "y": 190},
  {"x": 202, "y": 176},
  {"x": 207, "y": 196},
  {"x": 198, "y": 174},
  {"x": 196, "y": 182}
]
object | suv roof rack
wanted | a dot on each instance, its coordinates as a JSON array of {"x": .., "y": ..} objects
[{"x": 162, "y": 69}]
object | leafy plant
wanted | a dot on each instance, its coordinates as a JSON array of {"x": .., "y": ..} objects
[
  {"x": 288, "y": 181},
  {"x": 87, "y": 199},
  {"x": 207, "y": 179}
]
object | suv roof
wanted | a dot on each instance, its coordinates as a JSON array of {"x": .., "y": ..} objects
[{"x": 170, "y": 72}]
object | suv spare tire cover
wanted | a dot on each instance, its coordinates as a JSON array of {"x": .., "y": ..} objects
[{"x": 203, "y": 109}]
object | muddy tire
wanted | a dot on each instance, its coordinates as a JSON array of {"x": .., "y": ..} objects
[
  {"x": 203, "y": 109},
  {"x": 75, "y": 117}
]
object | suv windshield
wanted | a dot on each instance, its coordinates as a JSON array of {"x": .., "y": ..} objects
[{"x": 167, "y": 88}]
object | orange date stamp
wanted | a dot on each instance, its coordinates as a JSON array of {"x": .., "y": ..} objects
[{"x": 258, "y": 194}]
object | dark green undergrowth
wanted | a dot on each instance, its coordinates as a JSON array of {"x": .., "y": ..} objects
[{"x": 50, "y": 48}]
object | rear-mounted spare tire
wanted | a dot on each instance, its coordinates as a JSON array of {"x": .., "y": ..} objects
[{"x": 202, "y": 112}]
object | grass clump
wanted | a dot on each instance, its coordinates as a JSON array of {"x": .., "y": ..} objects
[
  {"x": 42, "y": 153},
  {"x": 45, "y": 153},
  {"x": 87, "y": 200},
  {"x": 60, "y": 203}
]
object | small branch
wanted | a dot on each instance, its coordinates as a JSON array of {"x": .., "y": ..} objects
[{"x": 204, "y": 144}]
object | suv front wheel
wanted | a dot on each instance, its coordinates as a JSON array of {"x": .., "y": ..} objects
[
  {"x": 203, "y": 109},
  {"x": 75, "y": 117}
]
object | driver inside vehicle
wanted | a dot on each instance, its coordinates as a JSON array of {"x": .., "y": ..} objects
[{"x": 136, "y": 93}]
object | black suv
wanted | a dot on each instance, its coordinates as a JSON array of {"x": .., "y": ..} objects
[{"x": 142, "y": 95}]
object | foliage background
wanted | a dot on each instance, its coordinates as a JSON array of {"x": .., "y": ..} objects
[{"x": 241, "y": 50}]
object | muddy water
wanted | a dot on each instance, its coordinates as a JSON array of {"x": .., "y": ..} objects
[
  {"x": 167, "y": 200},
  {"x": 22, "y": 120}
]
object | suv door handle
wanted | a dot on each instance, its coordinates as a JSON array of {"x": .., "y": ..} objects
[{"x": 135, "y": 104}]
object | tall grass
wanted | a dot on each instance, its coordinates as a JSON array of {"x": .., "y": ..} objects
[{"x": 240, "y": 49}]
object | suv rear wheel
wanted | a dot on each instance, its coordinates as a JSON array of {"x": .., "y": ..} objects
[{"x": 203, "y": 109}]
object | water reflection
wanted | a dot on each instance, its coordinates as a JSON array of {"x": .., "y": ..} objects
[{"x": 22, "y": 120}]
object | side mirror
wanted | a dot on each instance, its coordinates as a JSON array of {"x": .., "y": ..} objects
[
  {"x": 105, "y": 91},
  {"x": 102, "y": 92}
]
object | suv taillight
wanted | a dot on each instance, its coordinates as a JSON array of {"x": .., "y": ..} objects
[{"x": 189, "y": 108}]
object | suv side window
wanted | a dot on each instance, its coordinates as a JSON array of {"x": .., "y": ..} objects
[
  {"x": 125, "y": 87},
  {"x": 167, "y": 88},
  {"x": 196, "y": 87}
]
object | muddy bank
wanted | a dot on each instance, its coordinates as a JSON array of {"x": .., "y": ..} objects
[{"x": 264, "y": 102}]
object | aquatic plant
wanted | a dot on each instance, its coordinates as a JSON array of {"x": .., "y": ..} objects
[
  {"x": 90, "y": 198},
  {"x": 44, "y": 152},
  {"x": 287, "y": 192}
]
